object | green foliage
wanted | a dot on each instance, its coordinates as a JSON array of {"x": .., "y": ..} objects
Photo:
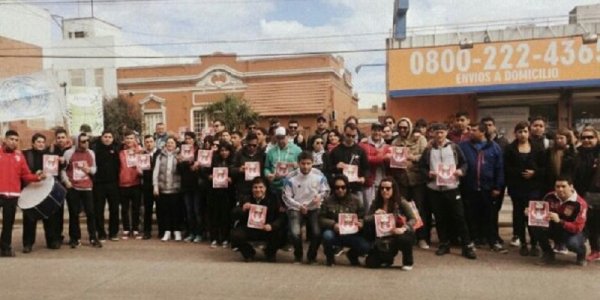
[
  {"x": 233, "y": 111},
  {"x": 118, "y": 113}
]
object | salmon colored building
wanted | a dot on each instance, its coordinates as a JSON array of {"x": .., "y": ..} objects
[{"x": 301, "y": 88}]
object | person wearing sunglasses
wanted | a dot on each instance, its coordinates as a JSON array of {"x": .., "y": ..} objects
[
  {"x": 341, "y": 201},
  {"x": 388, "y": 200},
  {"x": 251, "y": 152},
  {"x": 587, "y": 183},
  {"x": 410, "y": 179},
  {"x": 80, "y": 164},
  {"x": 350, "y": 153},
  {"x": 294, "y": 134},
  {"x": 317, "y": 149}
]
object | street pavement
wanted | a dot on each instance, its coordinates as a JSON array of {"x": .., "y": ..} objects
[{"x": 137, "y": 269}]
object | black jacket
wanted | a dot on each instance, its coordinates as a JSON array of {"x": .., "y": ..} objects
[
  {"x": 353, "y": 155},
  {"x": 514, "y": 166},
  {"x": 274, "y": 216},
  {"x": 586, "y": 163},
  {"x": 243, "y": 187},
  {"x": 107, "y": 163}
]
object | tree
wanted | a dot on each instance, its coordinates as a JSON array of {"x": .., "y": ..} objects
[
  {"x": 234, "y": 112},
  {"x": 119, "y": 113}
]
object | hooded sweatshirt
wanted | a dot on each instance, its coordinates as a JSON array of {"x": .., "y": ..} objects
[{"x": 416, "y": 144}]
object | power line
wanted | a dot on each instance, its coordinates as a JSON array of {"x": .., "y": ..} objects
[
  {"x": 196, "y": 55},
  {"x": 201, "y": 42}
]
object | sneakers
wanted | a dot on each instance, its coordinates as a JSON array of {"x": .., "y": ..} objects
[
  {"x": 469, "y": 252},
  {"x": 595, "y": 255},
  {"x": 330, "y": 261},
  {"x": 297, "y": 260},
  {"x": 166, "y": 237},
  {"x": 147, "y": 236},
  {"x": 214, "y": 244},
  {"x": 515, "y": 241},
  {"x": 96, "y": 244},
  {"x": 197, "y": 239},
  {"x": 26, "y": 249},
  {"x": 406, "y": 268},
  {"x": 178, "y": 236},
  {"x": 338, "y": 251},
  {"x": 74, "y": 243},
  {"x": 535, "y": 251},
  {"x": 547, "y": 259},
  {"x": 581, "y": 262},
  {"x": 125, "y": 235},
  {"x": 189, "y": 238},
  {"x": 443, "y": 249},
  {"x": 497, "y": 247},
  {"x": 225, "y": 244},
  {"x": 423, "y": 244},
  {"x": 561, "y": 249},
  {"x": 137, "y": 235},
  {"x": 114, "y": 238}
]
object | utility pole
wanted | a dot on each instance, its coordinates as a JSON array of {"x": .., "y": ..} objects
[{"x": 92, "y": 8}]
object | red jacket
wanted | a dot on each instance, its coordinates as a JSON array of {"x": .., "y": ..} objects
[
  {"x": 376, "y": 158},
  {"x": 128, "y": 176},
  {"x": 572, "y": 212},
  {"x": 13, "y": 169}
]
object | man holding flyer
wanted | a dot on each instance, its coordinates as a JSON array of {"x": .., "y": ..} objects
[
  {"x": 269, "y": 231},
  {"x": 304, "y": 190},
  {"x": 567, "y": 219},
  {"x": 444, "y": 195}
]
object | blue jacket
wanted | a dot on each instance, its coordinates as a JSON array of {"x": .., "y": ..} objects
[{"x": 486, "y": 166}]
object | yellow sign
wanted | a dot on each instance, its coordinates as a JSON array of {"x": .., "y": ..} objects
[{"x": 489, "y": 67}]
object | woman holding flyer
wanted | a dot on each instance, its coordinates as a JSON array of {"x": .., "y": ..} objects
[
  {"x": 341, "y": 219},
  {"x": 167, "y": 186},
  {"x": 189, "y": 169},
  {"x": 220, "y": 198},
  {"x": 524, "y": 169},
  {"x": 389, "y": 201}
]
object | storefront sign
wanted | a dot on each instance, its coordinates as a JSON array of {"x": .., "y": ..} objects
[{"x": 491, "y": 67}]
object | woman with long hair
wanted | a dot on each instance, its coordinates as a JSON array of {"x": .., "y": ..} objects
[
  {"x": 220, "y": 199},
  {"x": 334, "y": 138},
  {"x": 524, "y": 169},
  {"x": 389, "y": 201}
]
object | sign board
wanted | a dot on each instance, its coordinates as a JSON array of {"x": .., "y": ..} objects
[
  {"x": 493, "y": 67},
  {"x": 84, "y": 106}
]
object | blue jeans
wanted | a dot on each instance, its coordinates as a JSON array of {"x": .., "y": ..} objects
[
  {"x": 358, "y": 245},
  {"x": 574, "y": 241},
  {"x": 295, "y": 221},
  {"x": 192, "y": 211}
]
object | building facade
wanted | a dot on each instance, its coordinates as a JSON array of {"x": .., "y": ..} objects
[
  {"x": 509, "y": 71},
  {"x": 301, "y": 88}
]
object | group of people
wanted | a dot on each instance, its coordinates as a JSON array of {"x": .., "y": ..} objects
[{"x": 371, "y": 196}]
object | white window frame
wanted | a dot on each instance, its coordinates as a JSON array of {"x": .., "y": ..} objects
[{"x": 207, "y": 121}]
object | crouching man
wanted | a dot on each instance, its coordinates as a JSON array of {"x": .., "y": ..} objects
[
  {"x": 567, "y": 219},
  {"x": 259, "y": 220}
]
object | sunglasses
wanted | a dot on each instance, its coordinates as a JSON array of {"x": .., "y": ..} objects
[
  {"x": 588, "y": 137},
  {"x": 252, "y": 145},
  {"x": 386, "y": 188},
  {"x": 293, "y": 127},
  {"x": 340, "y": 187},
  {"x": 402, "y": 127},
  {"x": 83, "y": 141},
  {"x": 351, "y": 136}
]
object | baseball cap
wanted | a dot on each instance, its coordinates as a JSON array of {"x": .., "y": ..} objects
[
  {"x": 280, "y": 131},
  {"x": 438, "y": 126}
]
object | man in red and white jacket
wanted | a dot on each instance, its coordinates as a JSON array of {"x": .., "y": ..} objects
[
  {"x": 130, "y": 192},
  {"x": 14, "y": 169},
  {"x": 567, "y": 219},
  {"x": 80, "y": 164}
]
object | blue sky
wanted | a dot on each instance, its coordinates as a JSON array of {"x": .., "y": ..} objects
[{"x": 164, "y": 21}]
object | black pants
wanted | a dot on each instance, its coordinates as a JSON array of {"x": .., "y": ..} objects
[
  {"x": 520, "y": 201},
  {"x": 76, "y": 199},
  {"x": 416, "y": 193},
  {"x": 130, "y": 198},
  {"x": 9, "y": 208},
  {"x": 480, "y": 215},
  {"x": 50, "y": 231},
  {"x": 593, "y": 227},
  {"x": 169, "y": 212},
  {"x": 149, "y": 200},
  {"x": 448, "y": 209},
  {"x": 241, "y": 237},
  {"x": 102, "y": 192},
  {"x": 397, "y": 243}
]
